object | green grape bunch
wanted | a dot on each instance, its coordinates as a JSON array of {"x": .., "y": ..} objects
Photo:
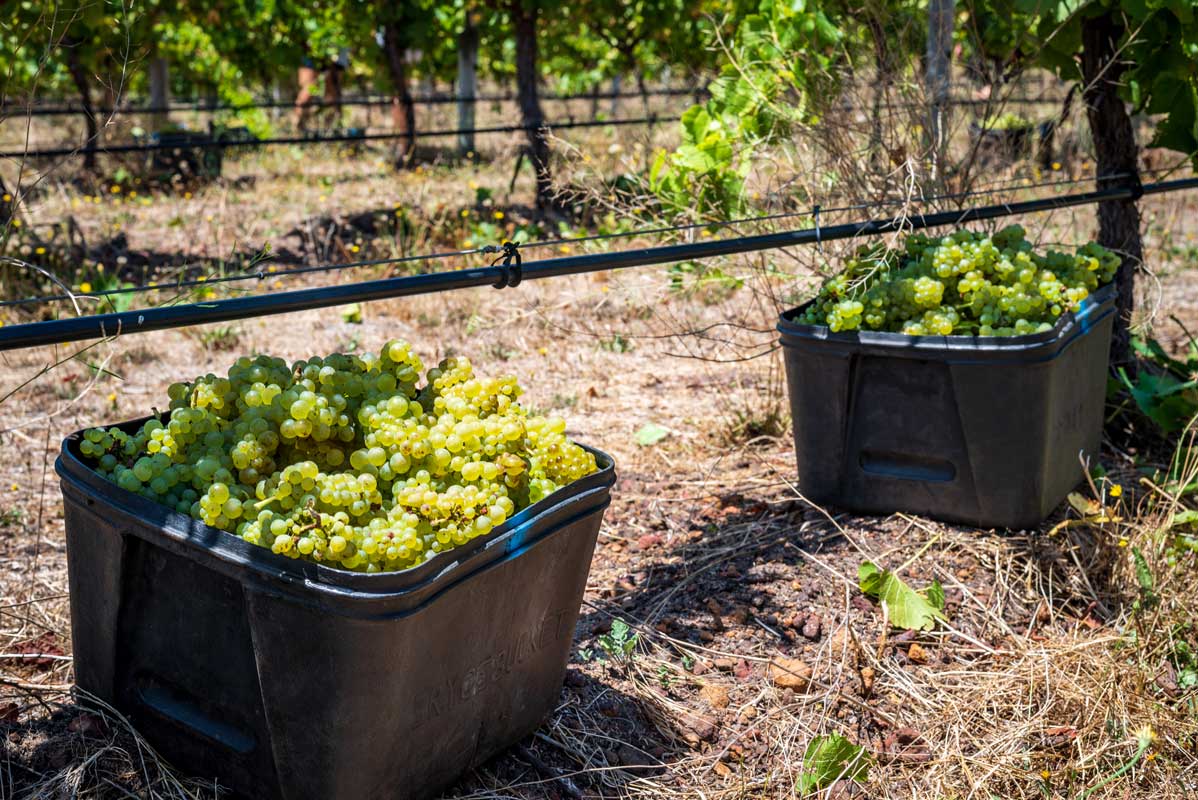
[
  {"x": 964, "y": 284},
  {"x": 344, "y": 460}
]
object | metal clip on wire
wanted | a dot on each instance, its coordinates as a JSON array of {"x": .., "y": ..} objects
[
  {"x": 1137, "y": 188},
  {"x": 819, "y": 237},
  {"x": 512, "y": 271}
]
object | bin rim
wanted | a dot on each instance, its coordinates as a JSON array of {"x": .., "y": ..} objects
[
  {"x": 1093, "y": 309},
  {"x": 239, "y": 555}
]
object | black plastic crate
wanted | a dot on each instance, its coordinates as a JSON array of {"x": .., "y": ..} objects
[
  {"x": 188, "y": 154},
  {"x": 981, "y": 430},
  {"x": 286, "y": 679},
  {"x": 1003, "y": 144}
]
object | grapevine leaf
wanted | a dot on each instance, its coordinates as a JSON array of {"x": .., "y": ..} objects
[
  {"x": 651, "y": 434},
  {"x": 829, "y": 759},
  {"x": 935, "y": 593},
  {"x": 908, "y": 608}
]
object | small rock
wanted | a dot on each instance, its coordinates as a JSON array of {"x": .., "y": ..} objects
[
  {"x": 701, "y": 727},
  {"x": 861, "y": 603},
  {"x": 88, "y": 725},
  {"x": 917, "y": 653},
  {"x": 722, "y": 769},
  {"x": 790, "y": 673},
  {"x": 812, "y": 627},
  {"x": 739, "y": 615},
  {"x": 715, "y": 695},
  {"x": 748, "y": 713},
  {"x": 648, "y": 541},
  {"x": 742, "y": 670},
  {"x": 724, "y": 664},
  {"x": 867, "y": 679},
  {"x": 628, "y": 756},
  {"x": 575, "y": 679},
  {"x": 700, "y": 667},
  {"x": 706, "y": 636},
  {"x": 714, "y": 607}
]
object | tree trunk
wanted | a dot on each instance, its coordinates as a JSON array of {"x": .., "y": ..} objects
[
  {"x": 615, "y": 95},
  {"x": 467, "y": 84},
  {"x": 79, "y": 76},
  {"x": 403, "y": 112},
  {"x": 644, "y": 90},
  {"x": 1116, "y": 151},
  {"x": 160, "y": 92},
  {"x": 524, "y": 20},
  {"x": 881, "y": 90},
  {"x": 939, "y": 73}
]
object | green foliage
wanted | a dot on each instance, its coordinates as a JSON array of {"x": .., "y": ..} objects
[
  {"x": 908, "y": 609},
  {"x": 620, "y": 642},
  {"x": 1165, "y": 389},
  {"x": 1158, "y": 43},
  {"x": 829, "y": 759},
  {"x": 779, "y": 66},
  {"x": 1145, "y": 580}
]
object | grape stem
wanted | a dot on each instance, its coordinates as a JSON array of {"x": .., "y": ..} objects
[{"x": 258, "y": 506}]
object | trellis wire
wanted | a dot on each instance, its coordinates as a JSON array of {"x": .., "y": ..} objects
[
  {"x": 56, "y": 152},
  {"x": 260, "y": 274},
  {"x": 161, "y": 318}
]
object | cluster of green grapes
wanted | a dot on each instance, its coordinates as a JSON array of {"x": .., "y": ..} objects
[
  {"x": 343, "y": 460},
  {"x": 966, "y": 283}
]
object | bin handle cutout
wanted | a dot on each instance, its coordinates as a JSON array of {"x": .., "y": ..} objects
[
  {"x": 906, "y": 467},
  {"x": 176, "y": 708}
]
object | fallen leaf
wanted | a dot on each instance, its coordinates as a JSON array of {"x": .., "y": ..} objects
[{"x": 651, "y": 434}]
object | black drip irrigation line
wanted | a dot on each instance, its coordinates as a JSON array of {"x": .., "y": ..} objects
[
  {"x": 263, "y": 274},
  {"x": 348, "y": 137},
  {"x": 161, "y": 318},
  {"x": 16, "y": 111}
]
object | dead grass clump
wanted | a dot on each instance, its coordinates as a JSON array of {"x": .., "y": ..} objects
[{"x": 85, "y": 750}]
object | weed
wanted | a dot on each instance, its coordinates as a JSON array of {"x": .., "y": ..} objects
[{"x": 620, "y": 642}]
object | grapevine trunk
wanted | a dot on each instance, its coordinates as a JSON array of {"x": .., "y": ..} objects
[{"x": 1116, "y": 152}]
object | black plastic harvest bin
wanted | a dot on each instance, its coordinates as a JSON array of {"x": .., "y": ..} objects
[
  {"x": 286, "y": 679},
  {"x": 981, "y": 430}
]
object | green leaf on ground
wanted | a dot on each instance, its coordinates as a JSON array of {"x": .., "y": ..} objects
[
  {"x": 651, "y": 434},
  {"x": 908, "y": 608},
  {"x": 829, "y": 759}
]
